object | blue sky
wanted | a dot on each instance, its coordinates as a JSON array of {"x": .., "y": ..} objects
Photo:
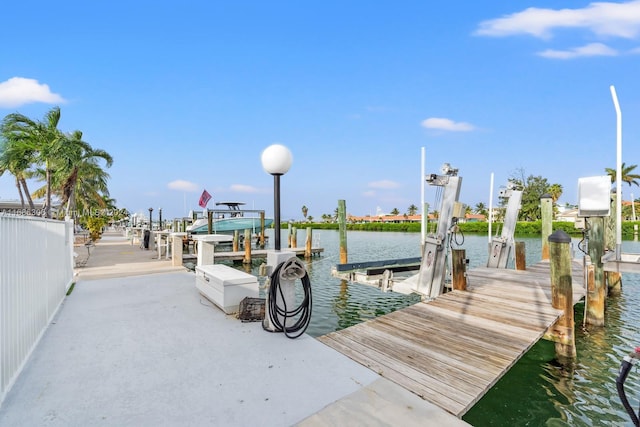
[{"x": 186, "y": 95}]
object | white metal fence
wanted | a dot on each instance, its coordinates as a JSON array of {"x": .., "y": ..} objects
[{"x": 36, "y": 271}]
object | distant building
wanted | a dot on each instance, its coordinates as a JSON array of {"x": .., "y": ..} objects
[
  {"x": 407, "y": 218},
  {"x": 475, "y": 218}
]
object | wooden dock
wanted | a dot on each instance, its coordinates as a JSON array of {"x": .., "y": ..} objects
[
  {"x": 450, "y": 351},
  {"x": 255, "y": 254}
]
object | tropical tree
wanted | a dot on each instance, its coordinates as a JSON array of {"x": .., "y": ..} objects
[
  {"x": 16, "y": 159},
  {"x": 555, "y": 191},
  {"x": 534, "y": 187},
  {"x": 305, "y": 211},
  {"x": 42, "y": 139},
  {"x": 79, "y": 178},
  {"x": 395, "y": 211},
  {"x": 627, "y": 176},
  {"x": 481, "y": 209},
  {"x": 412, "y": 210}
]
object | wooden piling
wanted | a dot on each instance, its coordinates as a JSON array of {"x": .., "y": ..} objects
[
  {"x": 209, "y": 222},
  {"x": 521, "y": 256},
  {"x": 342, "y": 226},
  {"x": 596, "y": 297},
  {"x": 289, "y": 235},
  {"x": 308, "y": 243},
  {"x": 546, "y": 208},
  {"x": 294, "y": 237},
  {"x": 459, "y": 269},
  {"x": 562, "y": 294},
  {"x": 262, "y": 229},
  {"x": 247, "y": 247},
  {"x": 236, "y": 241}
]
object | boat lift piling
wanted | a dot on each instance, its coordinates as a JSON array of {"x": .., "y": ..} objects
[
  {"x": 502, "y": 248},
  {"x": 431, "y": 279}
]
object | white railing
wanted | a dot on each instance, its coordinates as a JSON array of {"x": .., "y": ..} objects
[{"x": 36, "y": 271}]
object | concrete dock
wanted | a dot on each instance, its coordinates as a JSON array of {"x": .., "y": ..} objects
[{"x": 135, "y": 344}]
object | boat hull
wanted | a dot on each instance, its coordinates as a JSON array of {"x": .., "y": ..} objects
[{"x": 230, "y": 225}]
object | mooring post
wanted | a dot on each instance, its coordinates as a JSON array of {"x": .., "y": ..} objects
[
  {"x": 459, "y": 269},
  {"x": 247, "y": 246},
  {"x": 262, "y": 229},
  {"x": 307, "y": 243},
  {"x": 521, "y": 256},
  {"x": 596, "y": 297},
  {"x": 613, "y": 278},
  {"x": 342, "y": 226},
  {"x": 562, "y": 294},
  {"x": 546, "y": 210},
  {"x": 289, "y": 235},
  {"x": 209, "y": 222},
  {"x": 236, "y": 241},
  {"x": 294, "y": 237}
]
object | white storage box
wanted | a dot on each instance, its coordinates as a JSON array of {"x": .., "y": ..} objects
[{"x": 225, "y": 286}]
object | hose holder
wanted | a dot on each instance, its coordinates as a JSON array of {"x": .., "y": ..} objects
[
  {"x": 293, "y": 321},
  {"x": 292, "y": 269}
]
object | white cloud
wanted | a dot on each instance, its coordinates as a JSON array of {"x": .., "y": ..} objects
[
  {"x": 19, "y": 91},
  {"x": 601, "y": 18},
  {"x": 369, "y": 193},
  {"x": 385, "y": 184},
  {"x": 183, "y": 185},
  {"x": 593, "y": 49},
  {"x": 241, "y": 188},
  {"x": 447, "y": 124}
]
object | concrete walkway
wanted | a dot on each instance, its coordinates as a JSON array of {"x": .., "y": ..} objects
[{"x": 135, "y": 344}]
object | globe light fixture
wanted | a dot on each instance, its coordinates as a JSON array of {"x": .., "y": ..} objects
[{"x": 276, "y": 160}]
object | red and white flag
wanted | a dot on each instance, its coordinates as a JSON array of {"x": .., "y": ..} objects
[{"x": 204, "y": 199}]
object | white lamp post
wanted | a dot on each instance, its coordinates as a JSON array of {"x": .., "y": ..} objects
[{"x": 276, "y": 160}]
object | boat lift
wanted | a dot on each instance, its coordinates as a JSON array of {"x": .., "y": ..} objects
[
  {"x": 433, "y": 267},
  {"x": 502, "y": 249},
  {"x": 616, "y": 260}
]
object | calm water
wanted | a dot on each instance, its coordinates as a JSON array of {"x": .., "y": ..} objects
[{"x": 537, "y": 391}]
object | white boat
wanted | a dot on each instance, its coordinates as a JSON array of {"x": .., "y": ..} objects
[{"x": 228, "y": 220}]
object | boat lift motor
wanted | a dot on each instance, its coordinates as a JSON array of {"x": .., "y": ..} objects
[
  {"x": 502, "y": 248},
  {"x": 433, "y": 267},
  {"x": 625, "y": 367},
  {"x": 282, "y": 314}
]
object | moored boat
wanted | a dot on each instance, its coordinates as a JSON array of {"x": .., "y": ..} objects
[{"x": 228, "y": 220}]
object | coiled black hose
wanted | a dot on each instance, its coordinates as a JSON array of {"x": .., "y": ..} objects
[
  {"x": 302, "y": 311},
  {"x": 625, "y": 367}
]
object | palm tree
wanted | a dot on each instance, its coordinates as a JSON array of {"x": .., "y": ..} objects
[
  {"x": 78, "y": 178},
  {"x": 305, "y": 211},
  {"x": 555, "y": 191},
  {"x": 82, "y": 169},
  {"x": 481, "y": 209},
  {"x": 41, "y": 138},
  {"x": 627, "y": 176},
  {"x": 412, "y": 210},
  {"x": 16, "y": 159},
  {"x": 394, "y": 211}
]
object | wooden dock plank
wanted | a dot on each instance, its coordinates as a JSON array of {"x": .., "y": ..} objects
[
  {"x": 381, "y": 364},
  {"x": 451, "y": 350}
]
